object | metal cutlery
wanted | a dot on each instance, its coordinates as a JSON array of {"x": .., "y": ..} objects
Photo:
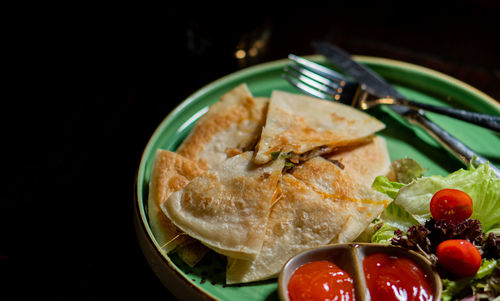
[
  {"x": 316, "y": 80},
  {"x": 340, "y": 89}
]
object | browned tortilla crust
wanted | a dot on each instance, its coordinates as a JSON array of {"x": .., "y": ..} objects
[
  {"x": 365, "y": 162},
  {"x": 227, "y": 207},
  {"x": 234, "y": 122},
  {"x": 170, "y": 172},
  {"x": 299, "y": 124}
]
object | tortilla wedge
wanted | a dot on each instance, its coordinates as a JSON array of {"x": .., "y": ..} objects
[
  {"x": 318, "y": 206},
  {"x": 289, "y": 231},
  {"x": 171, "y": 172},
  {"x": 363, "y": 203},
  {"x": 227, "y": 208},
  {"x": 232, "y": 125},
  {"x": 298, "y": 124}
]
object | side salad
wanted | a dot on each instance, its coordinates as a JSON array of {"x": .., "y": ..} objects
[{"x": 454, "y": 221}]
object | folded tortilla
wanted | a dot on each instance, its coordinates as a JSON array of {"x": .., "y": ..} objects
[
  {"x": 302, "y": 218},
  {"x": 363, "y": 203},
  {"x": 320, "y": 204},
  {"x": 170, "y": 172},
  {"x": 298, "y": 124},
  {"x": 227, "y": 208},
  {"x": 365, "y": 162},
  {"x": 231, "y": 126}
]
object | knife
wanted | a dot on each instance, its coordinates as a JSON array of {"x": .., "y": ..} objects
[
  {"x": 379, "y": 86},
  {"x": 381, "y": 89}
]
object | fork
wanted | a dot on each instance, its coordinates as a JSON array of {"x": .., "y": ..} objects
[{"x": 322, "y": 82}]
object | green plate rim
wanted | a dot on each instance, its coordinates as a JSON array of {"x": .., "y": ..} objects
[{"x": 248, "y": 72}]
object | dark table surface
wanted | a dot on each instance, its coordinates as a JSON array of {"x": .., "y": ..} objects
[{"x": 75, "y": 144}]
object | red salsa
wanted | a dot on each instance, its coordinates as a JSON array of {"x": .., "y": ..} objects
[
  {"x": 320, "y": 280},
  {"x": 390, "y": 277}
]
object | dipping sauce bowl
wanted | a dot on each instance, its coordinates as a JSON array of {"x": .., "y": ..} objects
[{"x": 350, "y": 258}]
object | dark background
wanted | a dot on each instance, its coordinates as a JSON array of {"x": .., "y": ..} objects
[{"x": 87, "y": 86}]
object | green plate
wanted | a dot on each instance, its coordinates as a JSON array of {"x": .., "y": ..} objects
[{"x": 206, "y": 280}]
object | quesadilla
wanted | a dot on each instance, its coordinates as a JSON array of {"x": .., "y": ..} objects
[
  {"x": 365, "y": 162},
  {"x": 231, "y": 126},
  {"x": 318, "y": 206},
  {"x": 363, "y": 203},
  {"x": 227, "y": 208},
  {"x": 170, "y": 172},
  {"x": 298, "y": 124},
  {"x": 302, "y": 218}
]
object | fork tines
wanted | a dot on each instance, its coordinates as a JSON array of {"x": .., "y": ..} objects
[{"x": 314, "y": 79}]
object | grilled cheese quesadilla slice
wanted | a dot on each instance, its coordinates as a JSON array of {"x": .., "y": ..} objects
[
  {"x": 227, "y": 208},
  {"x": 170, "y": 172},
  {"x": 298, "y": 124},
  {"x": 363, "y": 203},
  {"x": 232, "y": 125},
  {"x": 319, "y": 205},
  {"x": 301, "y": 219}
]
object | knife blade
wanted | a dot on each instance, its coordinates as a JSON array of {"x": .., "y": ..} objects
[
  {"x": 377, "y": 85},
  {"x": 373, "y": 81}
]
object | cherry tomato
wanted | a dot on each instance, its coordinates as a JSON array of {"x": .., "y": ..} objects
[
  {"x": 459, "y": 257},
  {"x": 451, "y": 204}
]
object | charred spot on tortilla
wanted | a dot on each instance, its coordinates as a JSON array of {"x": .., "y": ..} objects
[{"x": 337, "y": 163}]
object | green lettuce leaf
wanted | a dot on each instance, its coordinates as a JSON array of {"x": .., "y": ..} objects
[
  {"x": 479, "y": 183},
  {"x": 406, "y": 170},
  {"x": 367, "y": 234},
  {"x": 384, "y": 234},
  {"x": 398, "y": 217},
  {"x": 486, "y": 268},
  {"x": 382, "y": 184},
  {"x": 465, "y": 287},
  {"x": 394, "y": 216},
  {"x": 451, "y": 288}
]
